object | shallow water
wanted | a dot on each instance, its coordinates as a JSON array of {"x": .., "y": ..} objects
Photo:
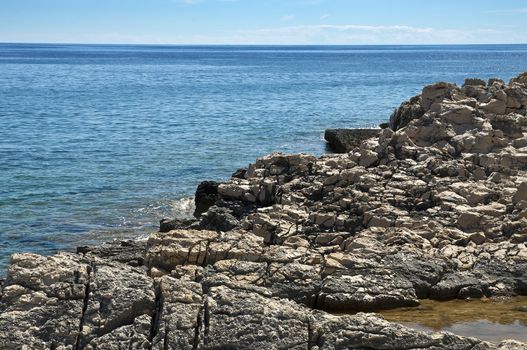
[
  {"x": 485, "y": 319},
  {"x": 102, "y": 141}
]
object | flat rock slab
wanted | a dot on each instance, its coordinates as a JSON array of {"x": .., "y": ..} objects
[{"x": 69, "y": 301}]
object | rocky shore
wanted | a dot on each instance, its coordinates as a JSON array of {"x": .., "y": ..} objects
[{"x": 434, "y": 207}]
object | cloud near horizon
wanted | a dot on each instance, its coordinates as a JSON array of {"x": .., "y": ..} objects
[
  {"x": 365, "y": 34},
  {"x": 318, "y": 34}
]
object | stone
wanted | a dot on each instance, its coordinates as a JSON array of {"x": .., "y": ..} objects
[
  {"x": 167, "y": 225},
  {"x": 43, "y": 301},
  {"x": 113, "y": 303},
  {"x": 407, "y": 112},
  {"x": 345, "y": 140},
  {"x": 367, "y": 158},
  {"x": 475, "y": 82},
  {"x": 181, "y": 314},
  {"x": 478, "y": 238},
  {"x": 205, "y": 197},
  {"x": 436, "y": 93},
  {"x": 130, "y": 252},
  {"x": 365, "y": 292},
  {"x": 521, "y": 193},
  {"x": 468, "y": 221},
  {"x": 494, "y": 106}
]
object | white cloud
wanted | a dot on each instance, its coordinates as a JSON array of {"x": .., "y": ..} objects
[
  {"x": 343, "y": 28},
  {"x": 288, "y": 18},
  {"x": 346, "y": 34},
  {"x": 324, "y": 16},
  {"x": 350, "y": 34}
]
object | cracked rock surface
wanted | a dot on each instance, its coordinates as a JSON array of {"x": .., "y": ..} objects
[{"x": 435, "y": 207}]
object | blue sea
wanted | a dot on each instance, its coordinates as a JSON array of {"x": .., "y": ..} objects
[{"x": 101, "y": 141}]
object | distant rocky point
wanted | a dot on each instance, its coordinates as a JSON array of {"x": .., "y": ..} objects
[{"x": 432, "y": 207}]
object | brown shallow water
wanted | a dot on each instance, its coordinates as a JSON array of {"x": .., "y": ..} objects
[{"x": 486, "y": 319}]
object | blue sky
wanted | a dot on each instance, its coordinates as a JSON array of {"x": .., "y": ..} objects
[{"x": 264, "y": 21}]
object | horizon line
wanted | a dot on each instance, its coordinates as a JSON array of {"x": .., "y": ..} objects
[{"x": 201, "y": 44}]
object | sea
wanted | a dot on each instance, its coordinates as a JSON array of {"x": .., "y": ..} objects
[{"x": 99, "y": 142}]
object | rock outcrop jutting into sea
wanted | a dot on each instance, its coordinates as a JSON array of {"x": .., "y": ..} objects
[{"x": 434, "y": 207}]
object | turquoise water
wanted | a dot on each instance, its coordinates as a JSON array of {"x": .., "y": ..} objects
[{"x": 101, "y": 141}]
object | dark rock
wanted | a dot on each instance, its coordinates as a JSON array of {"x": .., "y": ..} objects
[
  {"x": 345, "y": 140},
  {"x": 218, "y": 219},
  {"x": 471, "y": 292},
  {"x": 493, "y": 81},
  {"x": 474, "y": 82},
  {"x": 507, "y": 279},
  {"x": 130, "y": 252},
  {"x": 422, "y": 273},
  {"x": 407, "y": 112},
  {"x": 166, "y": 225},
  {"x": 456, "y": 285},
  {"x": 239, "y": 174},
  {"x": 206, "y": 196}
]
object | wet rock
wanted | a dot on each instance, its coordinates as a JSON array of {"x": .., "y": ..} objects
[
  {"x": 166, "y": 225},
  {"x": 218, "y": 218},
  {"x": 205, "y": 197},
  {"x": 345, "y": 140},
  {"x": 457, "y": 284},
  {"x": 127, "y": 252}
]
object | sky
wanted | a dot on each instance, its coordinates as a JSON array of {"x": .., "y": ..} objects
[{"x": 264, "y": 21}]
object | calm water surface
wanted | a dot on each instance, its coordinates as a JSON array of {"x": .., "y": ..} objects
[
  {"x": 101, "y": 141},
  {"x": 490, "y": 320}
]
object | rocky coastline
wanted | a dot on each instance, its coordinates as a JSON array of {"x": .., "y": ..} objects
[{"x": 432, "y": 207}]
